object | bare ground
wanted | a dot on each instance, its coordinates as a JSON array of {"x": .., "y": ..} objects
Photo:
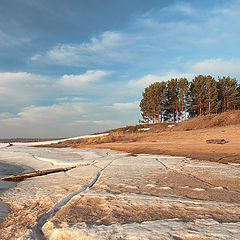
[{"x": 191, "y": 143}]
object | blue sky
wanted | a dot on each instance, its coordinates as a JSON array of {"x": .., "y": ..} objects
[{"x": 72, "y": 67}]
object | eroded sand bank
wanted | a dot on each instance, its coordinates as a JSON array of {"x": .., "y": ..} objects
[{"x": 112, "y": 195}]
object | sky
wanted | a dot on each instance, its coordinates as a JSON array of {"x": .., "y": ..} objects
[{"x": 75, "y": 67}]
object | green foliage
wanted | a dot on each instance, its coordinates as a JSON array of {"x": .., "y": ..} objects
[
  {"x": 228, "y": 92},
  {"x": 153, "y": 102},
  {"x": 177, "y": 98}
]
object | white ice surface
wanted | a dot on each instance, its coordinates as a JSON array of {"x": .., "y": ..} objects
[
  {"x": 56, "y": 141},
  {"x": 44, "y": 158}
]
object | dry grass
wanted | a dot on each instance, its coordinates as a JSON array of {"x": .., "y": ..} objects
[
  {"x": 186, "y": 139},
  {"x": 130, "y": 134},
  {"x": 210, "y": 121}
]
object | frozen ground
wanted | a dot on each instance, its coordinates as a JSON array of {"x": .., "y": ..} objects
[{"x": 113, "y": 195}]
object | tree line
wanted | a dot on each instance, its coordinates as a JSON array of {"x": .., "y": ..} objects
[{"x": 179, "y": 99}]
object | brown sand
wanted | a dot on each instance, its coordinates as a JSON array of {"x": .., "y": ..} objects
[{"x": 182, "y": 143}]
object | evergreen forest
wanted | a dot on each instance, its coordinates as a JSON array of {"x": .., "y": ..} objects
[{"x": 178, "y": 99}]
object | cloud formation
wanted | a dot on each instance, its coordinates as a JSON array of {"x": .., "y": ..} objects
[
  {"x": 73, "y": 78},
  {"x": 89, "y": 76},
  {"x": 148, "y": 79},
  {"x": 217, "y": 67},
  {"x": 126, "y": 106},
  {"x": 102, "y": 50}
]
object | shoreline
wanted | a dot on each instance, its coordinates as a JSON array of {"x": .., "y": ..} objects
[
  {"x": 191, "y": 143},
  {"x": 18, "y": 168},
  {"x": 230, "y": 153}
]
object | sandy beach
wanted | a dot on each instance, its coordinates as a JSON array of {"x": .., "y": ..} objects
[
  {"x": 114, "y": 195},
  {"x": 191, "y": 143}
]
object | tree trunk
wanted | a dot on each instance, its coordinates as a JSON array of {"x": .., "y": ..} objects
[
  {"x": 209, "y": 105},
  {"x": 185, "y": 110},
  {"x": 224, "y": 104},
  {"x": 200, "y": 108},
  {"x": 177, "y": 112},
  {"x": 182, "y": 111}
]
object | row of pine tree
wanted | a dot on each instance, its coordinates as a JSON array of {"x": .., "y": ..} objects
[{"x": 179, "y": 99}]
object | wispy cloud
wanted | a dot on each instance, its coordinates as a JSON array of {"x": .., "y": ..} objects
[
  {"x": 23, "y": 87},
  {"x": 20, "y": 77},
  {"x": 102, "y": 50},
  {"x": 126, "y": 106},
  {"x": 183, "y": 8},
  {"x": 89, "y": 76},
  {"x": 96, "y": 76},
  {"x": 148, "y": 79},
  {"x": 47, "y": 114},
  {"x": 217, "y": 67},
  {"x": 178, "y": 29},
  {"x": 7, "y": 40}
]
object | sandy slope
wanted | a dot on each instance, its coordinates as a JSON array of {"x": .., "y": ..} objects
[
  {"x": 112, "y": 195},
  {"x": 180, "y": 143}
]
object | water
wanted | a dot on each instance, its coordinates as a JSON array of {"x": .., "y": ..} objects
[{"x": 7, "y": 169}]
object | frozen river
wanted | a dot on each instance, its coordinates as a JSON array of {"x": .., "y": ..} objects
[{"x": 113, "y": 195}]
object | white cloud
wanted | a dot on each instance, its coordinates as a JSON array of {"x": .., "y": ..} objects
[
  {"x": 148, "y": 79},
  {"x": 107, "y": 122},
  {"x": 64, "y": 119},
  {"x": 7, "y": 40},
  {"x": 98, "y": 122},
  {"x": 79, "y": 80},
  {"x": 102, "y": 50},
  {"x": 22, "y": 87},
  {"x": 126, "y": 106},
  {"x": 217, "y": 67},
  {"x": 17, "y": 77},
  {"x": 227, "y": 10},
  {"x": 184, "y": 8},
  {"x": 35, "y": 57},
  {"x": 6, "y": 115},
  {"x": 46, "y": 114}
]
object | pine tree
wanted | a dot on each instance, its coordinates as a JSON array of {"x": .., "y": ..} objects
[
  {"x": 145, "y": 105},
  {"x": 163, "y": 100},
  {"x": 228, "y": 92},
  {"x": 173, "y": 99},
  {"x": 198, "y": 95},
  {"x": 211, "y": 95},
  {"x": 155, "y": 101},
  {"x": 183, "y": 86},
  {"x": 237, "y": 103}
]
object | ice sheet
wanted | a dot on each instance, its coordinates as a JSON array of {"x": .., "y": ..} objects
[{"x": 123, "y": 196}]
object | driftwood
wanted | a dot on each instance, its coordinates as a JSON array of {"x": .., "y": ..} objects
[
  {"x": 216, "y": 141},
  {"x": 22, "y": 176}
]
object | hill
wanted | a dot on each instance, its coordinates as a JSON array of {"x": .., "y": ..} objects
[
  {"x": 152, "y": 132},
  {"x": 187, "y": 138}
]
